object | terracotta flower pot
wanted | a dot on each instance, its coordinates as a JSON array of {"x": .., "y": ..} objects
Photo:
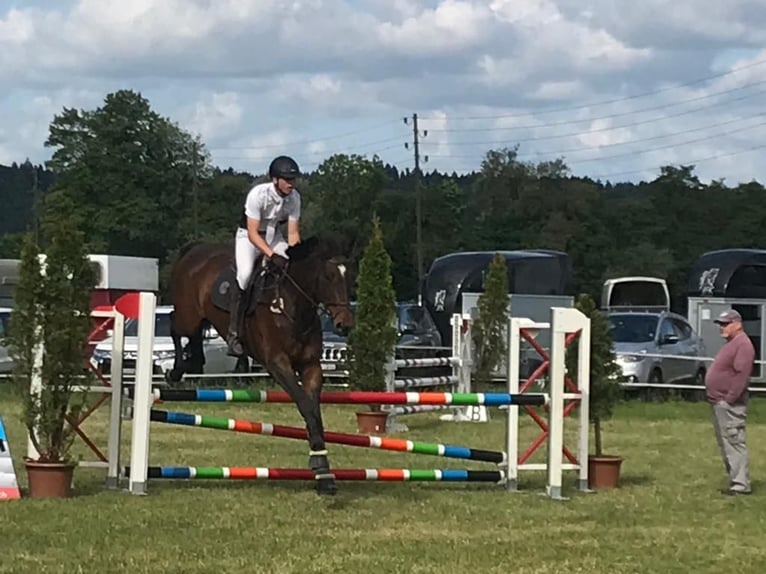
[
  {"x": 371, "y": 422},
  {"x": 49, "y": 479},
  {"x": 604, "y": 471}
]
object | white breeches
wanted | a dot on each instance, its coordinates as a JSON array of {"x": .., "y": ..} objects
[{"x": 245, "y": 254}]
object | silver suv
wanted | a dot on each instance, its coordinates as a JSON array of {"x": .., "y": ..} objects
[{"x": 653, "y": 348}]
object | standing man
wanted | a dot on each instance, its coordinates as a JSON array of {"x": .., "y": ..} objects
[
  {"x": 726, "y": 388},
  {"x": 268, "y": 208}
]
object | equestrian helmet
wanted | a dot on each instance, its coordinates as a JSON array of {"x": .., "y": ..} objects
[{"x": 284, "y": 166}]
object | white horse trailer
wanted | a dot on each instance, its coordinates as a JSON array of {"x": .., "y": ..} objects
[
  {"x": 730, "y": 279},
  {"x": 522, "y": 305}
]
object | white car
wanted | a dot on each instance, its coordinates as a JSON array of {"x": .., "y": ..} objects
[
  {"x": 6, "y": 364},
  {"x": 214, "y": 347}
]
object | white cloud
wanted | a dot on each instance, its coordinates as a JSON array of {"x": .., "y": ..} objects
[
  {"x": 216, "y": 115},
  {"x": 558, "y": 90},
  {"x": 314, "y": 77},
  {"x": 450, "y": 27}
]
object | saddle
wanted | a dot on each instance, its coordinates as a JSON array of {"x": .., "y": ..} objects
[{"x": 227, "y": 280}]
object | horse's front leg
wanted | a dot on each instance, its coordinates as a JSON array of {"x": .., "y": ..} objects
[
  {"x": 312, "y": 379},
  {"x": 307, "y": 401}
]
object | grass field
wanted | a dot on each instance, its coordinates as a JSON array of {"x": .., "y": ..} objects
[{"x": 667, "y": 516}]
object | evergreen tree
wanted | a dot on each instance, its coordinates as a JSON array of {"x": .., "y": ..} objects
[
  {"x": 492, "y": 320},
  {"x": 373, "y": 338},
  {"x": 52, "y": 312},
  {"x": 605, "y": 389}
]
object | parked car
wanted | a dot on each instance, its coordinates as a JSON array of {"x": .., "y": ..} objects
[
  {"x": 416, "y": 329},
  {"x": 214, "y": 346},
  {"x": 642, "y": 338},
  {"x": 6, "y": 364}
]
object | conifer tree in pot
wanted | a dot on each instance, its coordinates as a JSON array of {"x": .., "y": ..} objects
[
  {"x": 48, "y": 336},
  {"x": 605, "y": 392},
  {"x": 371, "y": 342},
  {"x": 491, "y": 321}
]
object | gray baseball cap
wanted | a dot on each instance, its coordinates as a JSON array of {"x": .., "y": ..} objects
[{"x": 728, "y": 317}]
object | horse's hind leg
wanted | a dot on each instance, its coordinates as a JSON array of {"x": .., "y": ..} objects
[
  {"x": 308, "y": 406},
  {"x": 196, "y": 360},
  {"x": 175, "y": 374}
]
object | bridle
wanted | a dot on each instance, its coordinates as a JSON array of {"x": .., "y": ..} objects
[{"x": 325, "y": 308}]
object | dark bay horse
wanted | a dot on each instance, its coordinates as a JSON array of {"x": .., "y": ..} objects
[{"x": 282, "y": 331}]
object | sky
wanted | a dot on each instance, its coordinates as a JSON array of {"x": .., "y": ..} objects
[{"x": 615, "y": 88}]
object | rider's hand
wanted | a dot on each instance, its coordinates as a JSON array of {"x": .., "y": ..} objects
[{"x": 277, "y": 261}]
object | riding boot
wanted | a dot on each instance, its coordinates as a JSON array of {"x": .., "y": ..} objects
[{"x": 232, "y": 337}]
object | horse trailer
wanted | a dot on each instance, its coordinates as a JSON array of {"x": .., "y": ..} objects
[{"x": 730, "y": 279}]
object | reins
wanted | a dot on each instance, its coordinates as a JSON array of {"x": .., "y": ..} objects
[{"x": 314, "y": 304}]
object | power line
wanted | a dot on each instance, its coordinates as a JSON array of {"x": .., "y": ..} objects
[
  {"x": 604, "y": 129},
  {"x": 585, "y": 148},
  {"x": 606, "y": 117},
  {"x": 668, "y": 146},
  {"x": 693, "y": 161},
  {"x": 612, "y": 101}
]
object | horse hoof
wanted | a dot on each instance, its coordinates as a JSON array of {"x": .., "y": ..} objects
[
  {"x": 326, "y": 487},
  {"x": 173, "y": 376}
]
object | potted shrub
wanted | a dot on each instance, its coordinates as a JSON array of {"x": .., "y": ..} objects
[
  {"x": 492, "y": 322},
  {"x": 605, "y": 393},
  {"x": 372, "y": 341},
  {"x": 48, "y": 335}
]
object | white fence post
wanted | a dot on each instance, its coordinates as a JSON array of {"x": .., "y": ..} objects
[
  {"x": 565, "y": 320},
  {"x": 115, "y": 408},
  {"x": 512, "y": 428},
  {"x": 142, "y": 399}
]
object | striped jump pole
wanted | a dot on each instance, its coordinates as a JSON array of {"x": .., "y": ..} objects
[
  {"x": 358, "y": 474},
  {"x": 347, "y": 397},
  {"x": 382, "y": 443}
]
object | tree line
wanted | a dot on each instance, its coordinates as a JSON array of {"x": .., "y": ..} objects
[{"x": 139, "y": 184}]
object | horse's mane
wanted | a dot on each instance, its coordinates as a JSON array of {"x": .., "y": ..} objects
[{"x": 324, "y": 247}]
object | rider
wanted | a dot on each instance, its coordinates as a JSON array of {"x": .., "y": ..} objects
[{"x": 267, "y": 207}]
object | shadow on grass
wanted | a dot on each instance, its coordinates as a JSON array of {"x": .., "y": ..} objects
[{"x": 636, "y": 480}]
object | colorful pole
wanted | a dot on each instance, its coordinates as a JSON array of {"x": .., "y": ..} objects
[
  {"x": 372, "y": 474},
  {"x": 399, "y": 445},
  {"x": 347, "y": 397}
]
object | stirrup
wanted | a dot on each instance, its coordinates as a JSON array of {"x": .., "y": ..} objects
[{"x": 235, "y": 347}]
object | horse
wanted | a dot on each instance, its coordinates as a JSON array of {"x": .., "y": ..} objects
[{"x": 281, "y": 330}]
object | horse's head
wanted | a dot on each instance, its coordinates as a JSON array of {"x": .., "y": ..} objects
[{"x": 324, "y": 275}]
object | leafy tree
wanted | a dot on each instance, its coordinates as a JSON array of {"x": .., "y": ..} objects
[
  {"x": 129, "y": 172},
  {"x": 345, "y": 193},
  {"x": 491, "y": 323},
  {"x": 642, "y": 258},
  {"x": 605, "y": 390},
  {"x": 52, "y": 312},
  {"x": 371, "y": 342},
  {"x": 11, "y": 245}
]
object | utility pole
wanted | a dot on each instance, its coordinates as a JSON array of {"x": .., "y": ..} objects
[
  {"x": 195, "y": 198},
  {"x": 36, "y": 207},
  {"x": 418, "y": 200}
]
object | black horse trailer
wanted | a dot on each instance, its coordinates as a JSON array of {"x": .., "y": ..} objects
[{"x": 540, "y": 272}]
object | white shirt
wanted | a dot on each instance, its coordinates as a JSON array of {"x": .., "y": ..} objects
[{"x": 271, "y": 209}]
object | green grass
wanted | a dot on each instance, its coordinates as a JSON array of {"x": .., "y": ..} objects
[{"x": 667, "y": 516}]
